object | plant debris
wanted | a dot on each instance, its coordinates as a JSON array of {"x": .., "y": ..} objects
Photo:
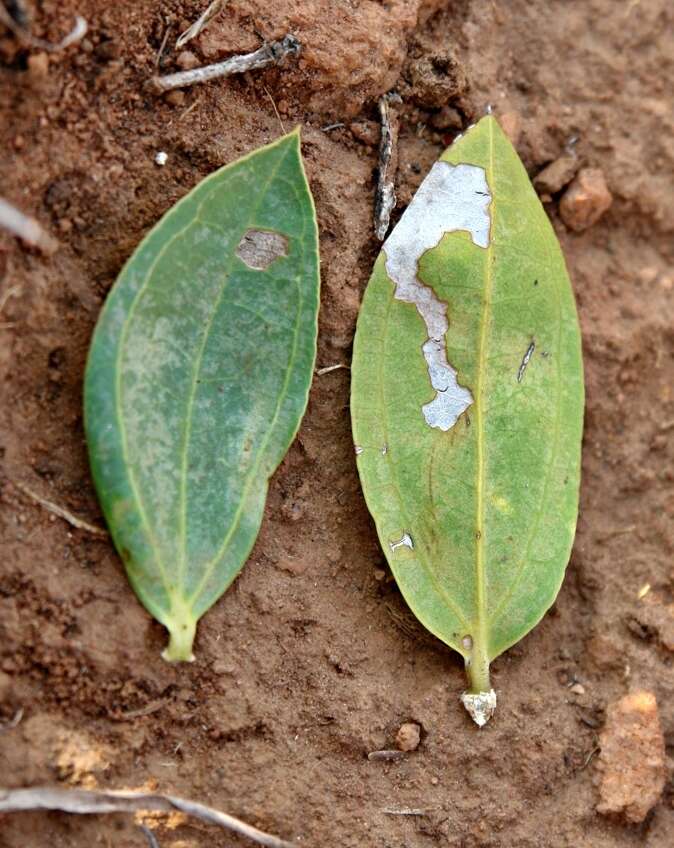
[
  {"x": 201, "y": 23},
  {"x": 26, "y": 228},
  {"x": 82, "y": 802},
  {"x": 385, "y": 198},
  {"x": 79, "y": 523},
  {"x": 272, "y": 53}
]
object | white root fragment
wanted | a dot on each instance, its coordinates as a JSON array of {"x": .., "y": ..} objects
[
  {"x": 26, "y": 228},
  {"x": 269, "y": 54},
  {"x": 328, "y": 368},
  {"x": 480, "y": 705},
  {"x": 201, "y": 23},
  {"x": 82, "y": 801}
]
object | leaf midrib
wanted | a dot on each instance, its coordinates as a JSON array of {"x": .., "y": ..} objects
[{"x": 480, "y": 576}]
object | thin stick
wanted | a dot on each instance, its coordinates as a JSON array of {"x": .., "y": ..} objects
[
  {"x": 151, "y": 838},
  {"x": 76, "y": 34},
  {"x": 386, "y": 754},
  {"x": 79, "y": 523},
  {"x": 200, "y": 24},
  {"x": 385, "y": 198},
  {"x": 26, "y": 228},
  {"x": 329, "y": 368},
  {"x": 269, "y": 54},
  {"x": 283, "y": 129},
  {"x": 81, "y": 801},
  {"x": 162, "y": 47}
]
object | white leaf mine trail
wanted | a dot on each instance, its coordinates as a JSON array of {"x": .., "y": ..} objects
[{"x": 451, "y": 198}]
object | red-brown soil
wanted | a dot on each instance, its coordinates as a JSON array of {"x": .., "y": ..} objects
[{"x": 311, "y": 659}]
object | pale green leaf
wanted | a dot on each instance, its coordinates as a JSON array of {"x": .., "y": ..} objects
[
  {"x": 197, "y": 379},
  {"x": 467, "y": 403}
]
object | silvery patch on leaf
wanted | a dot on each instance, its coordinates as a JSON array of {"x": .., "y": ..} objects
[{"x": 451, "y": 198}]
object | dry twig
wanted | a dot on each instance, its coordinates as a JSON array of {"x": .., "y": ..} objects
[
  {"x": 386, "y": 754},
  {"x": 79, "y": 523},
  {"x": 201, "y": 23},
  {"x": 26, "y": 228},
  {"x": 269, "y": 54},
  {"x": 385, "y": 198},
  {"x": 81, "y": 801},
  {"x": 329, "y": 368}
]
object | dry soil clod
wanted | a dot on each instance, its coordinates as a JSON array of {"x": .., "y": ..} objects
[
  {"x": 556, "y": 175},
  {"x": 585, "y": 200},
  {"x": 408, "y": 736},
  {"x": 631, "y": 764},
  {"x": 272, "y": 53}
]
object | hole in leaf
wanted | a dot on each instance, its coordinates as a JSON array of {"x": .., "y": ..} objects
[{"x": 258, "y": 249}]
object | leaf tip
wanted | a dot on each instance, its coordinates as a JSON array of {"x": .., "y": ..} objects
[{"x": 480, "y": 705}]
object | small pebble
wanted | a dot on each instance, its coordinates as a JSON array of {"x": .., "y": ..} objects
[
  {"x": 586, "y": 200},
  {"x": 38, "y": 65},
  {"x": 187, "y": 61},
  {"x": 379, "y": 574},
  {"x": 175, "y": 97},
  {"x": 556, "y": 175},
  {"x": 408, "y": 736},
  {"x": 577, "y": 689},
  {"x": 161, "y": 158}
]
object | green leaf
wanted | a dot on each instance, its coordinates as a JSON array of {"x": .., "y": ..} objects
[
  {"x": 198, "y": 377},
  {"x": 467, "y": 404}
]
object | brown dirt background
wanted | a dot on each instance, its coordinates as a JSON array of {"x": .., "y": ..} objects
[{"x": 310, "y": 661}]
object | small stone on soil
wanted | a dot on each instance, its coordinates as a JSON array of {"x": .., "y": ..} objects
[
  {"x": 408, "y": 736},
  {"x": 187, "y": 61},
  {"x": 586, "y": 200},
  {"x": 631, "y": 764},
  {"x": 175, "y": 98},
  {"x": 38, "y": 65},
  {"x": 556, "y": 175}
]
